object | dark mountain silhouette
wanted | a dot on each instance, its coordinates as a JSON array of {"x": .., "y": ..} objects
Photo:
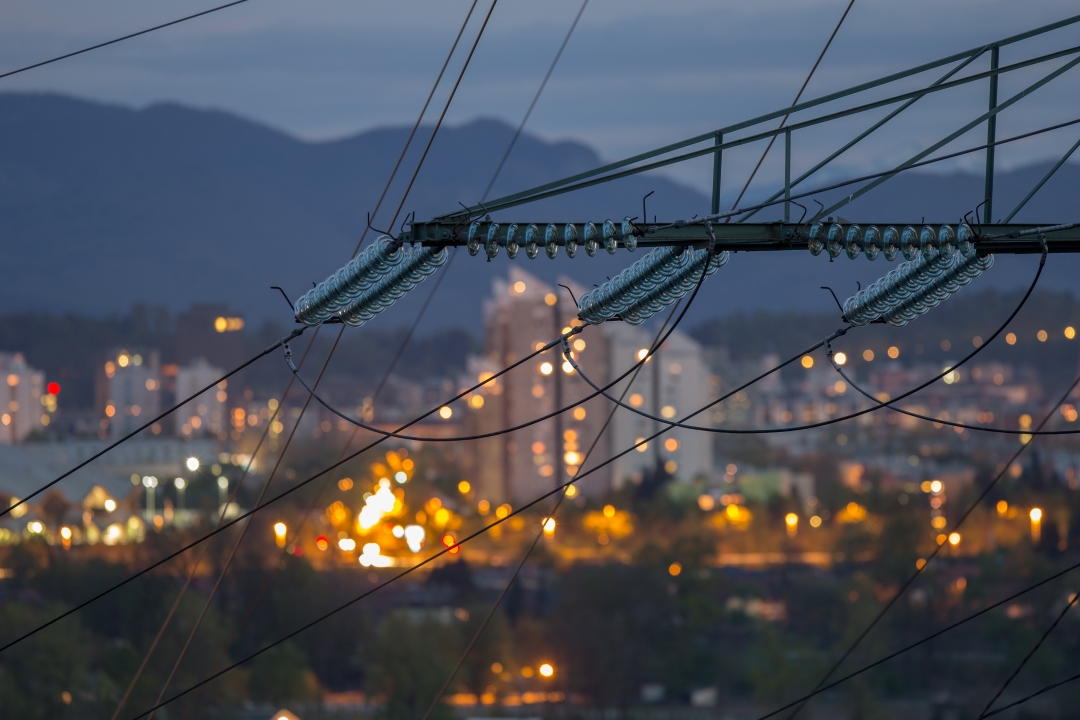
[{"x": 104, "y": 206}]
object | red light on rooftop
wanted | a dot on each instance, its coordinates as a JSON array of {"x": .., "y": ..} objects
[
  {"x": 53, "y": 388},
  {"x": 450, "y": 542},
  {"x": 322, "y": 543}
]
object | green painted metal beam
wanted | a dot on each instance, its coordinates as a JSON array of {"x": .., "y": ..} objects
[
  {"x": 747, "y": 237},
  {"x": 532, "y": 193}
]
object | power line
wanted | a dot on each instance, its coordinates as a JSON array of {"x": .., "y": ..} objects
[
  {"x": 279, "y": 496},
  {"x": 195, "y": 567},
  {"x": 438, "y": 554},
  {"x": 333, "y": 347},
  {"x": 812, "y": 348},
  {"x": 1008, "y": 680},
  {"x": 121, "y": 39},
  {"x": 1034, "y": 695},
  {"x": 669, "y": 423},
  {"x": 442, "y": 115},
  {"x": 940, "y": 421},
  {"x": 243, "y": 531},
  {"x": 150, "y": 422},
  {"x": 553, "y": 512},
  {"x": 296, "y": 487},
  {"x": 794, "y": 102},
  {"x": 937, "y": 548},
  {"x": 536, "y": 97},
  {"x": 438, "y": 282},
  {"x": 932, "y": 636}
]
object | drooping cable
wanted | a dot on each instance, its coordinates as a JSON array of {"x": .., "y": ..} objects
[
  {"x": 121, "y": 39},
  {"x": 283, "y": 494},
  {"x": 326, "y": 362},
  {"x": 1016, "y": 671},
  {"x": 825, "y": 342},
  {"x": 795, "y": 102},
  {"x": 937, "y": 548},
  {"x": 243, "y": 531},
  {"x": 148, "y": 423},
  {"x": 653, "y": 347},
  {"x": 932, "y": 636},
  {"x": 427, "y": 301},
  {"x": 668, "y": 423},
  {"x": 206, "y": 547},
  {"x": 445, "y": 550},
  {"x": 940, "y": 421}
]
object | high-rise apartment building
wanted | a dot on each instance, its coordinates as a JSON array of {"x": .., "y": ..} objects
[
  {"x": 673, "y": 383},
  {"x": 525, "y": 313},
  {"x": 522, "y": 314},
  {"x": 128, "y": 391},
  {"x": 206, "y": 414}
]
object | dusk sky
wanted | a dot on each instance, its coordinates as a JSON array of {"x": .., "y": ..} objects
[{"x": 635, "y": 75}]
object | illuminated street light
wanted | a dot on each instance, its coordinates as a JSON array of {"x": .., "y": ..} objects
[
  {"x": 546, "y": 670},
  {"x": 149, "y": 482},
  {"x": 1036, "y": 516},
  {"x": 181, "y": 486},
  {"x": 280, "y": 532},
  {"x": 791, "y": 520},
  {"x": 192, "y": 464}
]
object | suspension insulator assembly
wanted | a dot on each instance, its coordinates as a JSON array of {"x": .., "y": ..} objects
[
  {"x": 649, "y": 285},
  {"x": 491, "y": 236},
  {"x": 915, "y": 287},
  {"x": 369, "y": 283},
  {"x": 834, "y": 238},
  {"x": 418, "y": 263},
  {"x": 343, "y": 287}
]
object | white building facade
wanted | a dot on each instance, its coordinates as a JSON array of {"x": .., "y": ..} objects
[
  {"x": 672, "y": 383},
  {"x": 206, "y": 414},
  {"x": 22, "y": 410}
]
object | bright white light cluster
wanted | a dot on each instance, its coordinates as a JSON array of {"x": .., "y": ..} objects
[
  {"x": 372, "y": 556},
  {"x": 377, "y": 506},
  {"x": 414, "y": 536}
]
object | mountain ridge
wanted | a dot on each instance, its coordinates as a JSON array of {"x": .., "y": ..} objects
[{"x": 103, "y": 206}]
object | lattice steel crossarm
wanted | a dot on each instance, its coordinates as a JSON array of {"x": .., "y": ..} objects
[{"x": 745, "y": 237}]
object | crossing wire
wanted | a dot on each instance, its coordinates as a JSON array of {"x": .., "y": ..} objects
[
  {"x": 670, "y": 424},
  {"x": 1032, "y": 696},
  {"x": 932, "y": 636},
  {"x": 1012, "y": 676},
  {"x": 242, "y": 534},
  {"x": 794, "y": 103},
  {"x": 423, "y": 308},
  {"x": 326, "y": 362},
  {"x": 198, "y": 561},
  {"x": 498, "y": 522},
  {"x": 150, "y": 422},
  {"x": 121, "y": 39},
  {"x": 919, "y": 570},
  {"x": 555, "y": 508}
]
